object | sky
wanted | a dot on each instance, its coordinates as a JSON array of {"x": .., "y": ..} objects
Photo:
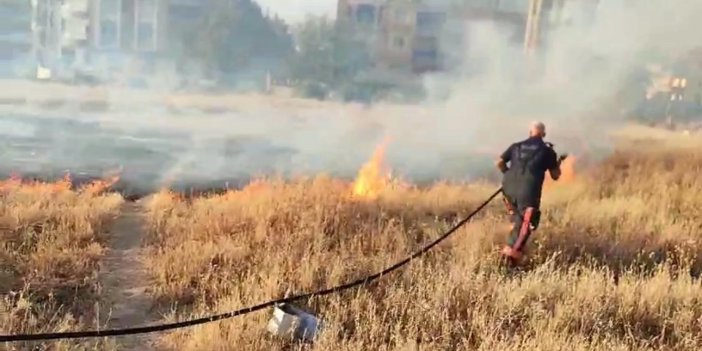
[{"x": 293, "y": 11}]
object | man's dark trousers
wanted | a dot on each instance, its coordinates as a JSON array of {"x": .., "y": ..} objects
[{"x": 525, "y": 219}]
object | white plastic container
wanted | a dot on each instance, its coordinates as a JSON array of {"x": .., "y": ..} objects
[{"x": 290, "y": 321}]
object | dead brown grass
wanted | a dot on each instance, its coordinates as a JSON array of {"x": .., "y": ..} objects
[
  {"x": 612, "y": 268},
  {"x": 49, "y": 257}
]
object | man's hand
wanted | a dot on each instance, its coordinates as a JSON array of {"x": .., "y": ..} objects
[
  {"x": 501, "y": 165},
  {"x": 556, "y": 172}
]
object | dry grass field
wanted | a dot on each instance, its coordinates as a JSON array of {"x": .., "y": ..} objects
[
  {"x": 614, "y": 266},
  {"x": 51, "y": 247},
  {"x": 611, "y": 268}
]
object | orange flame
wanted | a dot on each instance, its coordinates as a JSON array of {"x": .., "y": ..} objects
[
  {"x": 97, "y": 187},
  {"x": 567, "y": 173},
  {"x": 373, "y": 177},
  {"x": 568, "y": 169},
  {"x": 16, "y": 183},
  {"x": 255, "y": 186}
]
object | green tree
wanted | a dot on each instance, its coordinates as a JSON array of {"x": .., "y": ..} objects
[
  {"x": 235, "y": 37},
  {"x": 314, "y": 58},
  {"x": 327, "y": 54}
]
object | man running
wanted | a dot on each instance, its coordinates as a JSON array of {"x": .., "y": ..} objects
[{"x": 522, "y": 184}]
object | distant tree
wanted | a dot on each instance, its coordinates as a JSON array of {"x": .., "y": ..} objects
[
  {"x": 327, "y": 54},
  {"x": 234, "y": 36},
  {"x": 351, "y": 55},
  {"x": 314, "y": 46}
]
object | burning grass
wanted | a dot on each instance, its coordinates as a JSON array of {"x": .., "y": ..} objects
[
  {"x": 373, "y": 176},
  {"x": 51, "y": 246},
  {"x": 611, "y": 268},
  {"x": 614, "y": 266}
]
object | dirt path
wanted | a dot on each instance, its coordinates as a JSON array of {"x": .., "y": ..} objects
[{"x": 124, "y": 281}]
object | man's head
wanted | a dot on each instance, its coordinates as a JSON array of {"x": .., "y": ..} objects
[{"x": 537, "y": 129}]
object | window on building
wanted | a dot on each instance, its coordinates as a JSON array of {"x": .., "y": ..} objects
[
  {"x": 43, "y": 38},
  {"x": 68, "y": 54},
  {"x": 147, "y": 10},
  {"x": 42, "y": 15},
  {"x": 426, "y": 44},
  {"x": 147, "y": 24},
  {"x": 52, "y": 20},
  {"x": 186, "y": 12},
  {"x": 398, "y": 42},
  {"x": 401, "y": 16},
  {"x": 365, "y": 14},
  {"x": 128, "y": 24},
  {"x": 110, "y": 10},
  {"x": 429, "y": 22},
  {"x": 426, "y": 54},
  {"x": 425, "y": 59},
  {"x": 146, "y": 36},
  {"x": 110, "y": 16},
  {"x": 108, "y": 33}
]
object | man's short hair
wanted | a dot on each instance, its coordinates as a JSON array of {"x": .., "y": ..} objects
[{"x": 538, "y": 125}]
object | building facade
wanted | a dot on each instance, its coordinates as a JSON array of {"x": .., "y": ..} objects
[
  {"x": 408, "y": 34},
  {"x": 105, "y": 38},
  {"x": 402, "y": 35}
]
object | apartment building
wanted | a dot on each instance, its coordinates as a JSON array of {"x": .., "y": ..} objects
[
  {"x": 411, "y": 35},
  {"x": 106, "y": 37},
  {"x": 408, "y": 34},
  {"x": 403, "y": 35},
  {"x": 129, "y": 25}
]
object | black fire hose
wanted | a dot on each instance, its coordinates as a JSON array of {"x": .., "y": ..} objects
[{"x": 246, "y": 310}]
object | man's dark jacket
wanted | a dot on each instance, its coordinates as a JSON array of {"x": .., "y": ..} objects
[{"x": 528, "y": 162}]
